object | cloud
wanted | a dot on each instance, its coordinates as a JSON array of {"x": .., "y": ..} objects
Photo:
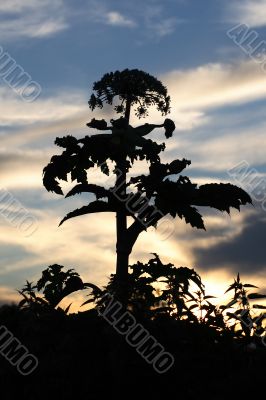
[
  {"x": 166, "y": 26},
  {"x": 17, "y": 6},
  {"x": 216, "y": 85},
  {"x": 8, "y": 295},
  {"x": 33, "y": 19},
  {"x": 249, "y": 12},
  {"x": 200, "y": 98},
  {"x": 45, "y": 18},
  {"x": 117, "y": 19},
  {"x": 28, "y": 165},
  {"x": 41, "y": 19},
  {"x": 16, "y": 112},
  {"x": 157, "y": 21},
  {"x": 242, "y": 252}
]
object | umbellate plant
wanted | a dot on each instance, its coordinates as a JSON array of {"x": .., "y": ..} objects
[
  {"x": 145, "y": 198},
  {"x": 242, "y": 312}
]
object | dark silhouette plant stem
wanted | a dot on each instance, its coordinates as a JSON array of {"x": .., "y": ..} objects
[{"x": 122, "y": 248}]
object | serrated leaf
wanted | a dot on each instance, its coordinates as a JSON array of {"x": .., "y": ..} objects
[
  {"x": 193, "y": 217},
  {"x": 93, "y": 207},
  {"x": 221, "y": 196},
  {"x": 99, "y": 191},
  {"x": 177, "y": 166}
]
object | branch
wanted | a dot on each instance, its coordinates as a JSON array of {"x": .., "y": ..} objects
[
  {"x": 137, "y": 227},
  {"x": 133, "y": 232}
]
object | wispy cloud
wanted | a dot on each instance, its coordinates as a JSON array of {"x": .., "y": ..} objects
[
  {"x": 117, "y": 19},
  {"x": 46, "y": 18},
  {"x": 157, "y": 22},
  {"x": 214, "y": 85},
  {"x": 249, "y": 12},
  {"x": 33, "y": 19},
  {"x": 50, "y": 109},
  {"x": 166, "y": 26},
  {"x": 243, "y": 252},
  {"x": 199, "y": 93}
]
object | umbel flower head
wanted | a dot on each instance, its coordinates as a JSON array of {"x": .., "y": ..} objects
[{"x": 134, "y": 86}]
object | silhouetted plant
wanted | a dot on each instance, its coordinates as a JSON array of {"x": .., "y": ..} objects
[
  {"x": 205, "y": 312},
  {"x": 145, "y": 198},
  {"x": 155, "y": 287},
  {"x": 54, "y": 284},
  {"x": 249, "y": 324},
  {"x": 31, "y": 300}
]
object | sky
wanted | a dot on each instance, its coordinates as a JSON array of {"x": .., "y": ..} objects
[{"x": 218, "y": 102}]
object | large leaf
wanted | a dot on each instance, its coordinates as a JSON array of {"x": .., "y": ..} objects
[
  {"x": 99, "y": 191},
  {"x": 192, "y": 216},
  {"x": 221, "y": 196},
  {"x": 250, "y": 286},
  {"x": 252, "y": 296},
  {"x": 93, "y": 207}
]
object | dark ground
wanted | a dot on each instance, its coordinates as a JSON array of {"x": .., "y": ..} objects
[{"x": 81, "y": 356}]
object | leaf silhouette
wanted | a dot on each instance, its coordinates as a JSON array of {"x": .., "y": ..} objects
[
  {"x": 256, "y": 296},
  {"x": 221, "y": 196},
  {"x": 169, "y": 128},
  {"x": 99, "y": 191},
  {"x": 93, "y": 207}
]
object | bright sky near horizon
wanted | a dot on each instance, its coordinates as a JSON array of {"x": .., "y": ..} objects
[{"x": 218, "y": 93}]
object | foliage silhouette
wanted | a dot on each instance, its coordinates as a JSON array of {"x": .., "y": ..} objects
[
  {"x": 145, "y": 198},
  {"x": 171, "y": 304},
  {"x": 155, "y": 290},
  {"x": 55, "y": 284},
  {"x": 247, "y": 321}
]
